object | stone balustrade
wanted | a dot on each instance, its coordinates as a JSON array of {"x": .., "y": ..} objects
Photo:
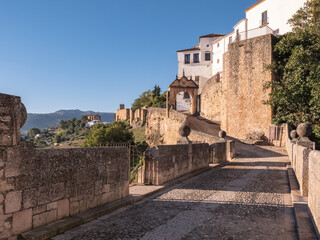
[
  {"x": 305, "y": 161},
  {"x": 40, "y": 186}
]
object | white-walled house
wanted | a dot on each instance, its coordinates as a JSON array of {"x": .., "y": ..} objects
[
  {"x": 264, "y": 17},
  {"x": 273, "y": 13},
  {"x": 196, "y": 62}
]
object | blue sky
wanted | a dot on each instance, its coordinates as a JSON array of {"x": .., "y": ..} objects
[{"x": 96, "y": 54}]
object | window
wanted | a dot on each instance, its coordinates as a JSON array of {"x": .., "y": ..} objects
[
  {"x": 207, "y": 57},
  {"x": 218, "y": 45},
  {"x": 218, "y": 61},
  {"x": 230, "y": 39},
  {"x": 186, "y": 95},
  {"x": 187, "y": 58},
  {"x": 207, "y": 45},
  {"x": 264, "y": 18},
  {"x": 196, "y": 57}
]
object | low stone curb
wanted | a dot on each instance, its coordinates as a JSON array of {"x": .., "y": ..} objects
[
  {"x": 61, "y": 226},
  {"x": 304, "y": 224}
]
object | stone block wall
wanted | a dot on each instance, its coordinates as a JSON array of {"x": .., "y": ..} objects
[
  {"x": 306, "y": 164},
  {"x": 13, "y": 116},
  {"x": 167, "y": 162},
  {"x": 163, "y": 129},
  {"x": 39, "y": 186},
  {"x": 132, "y": 115},
  {"x": 314, "y": 189},
  {"x": 299, "y": 158},
  {"x": 211, "y": 100},
  {"x": 244, "y": 76},
  {"x": 122, "y": 114}
]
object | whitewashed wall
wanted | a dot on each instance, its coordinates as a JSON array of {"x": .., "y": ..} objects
[
  {"x": 279, "y": 12},
  {"x": 203, "y": 69},
  {"x": 183, "y": 104}
]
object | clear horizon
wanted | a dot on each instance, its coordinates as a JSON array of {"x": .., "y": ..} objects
[{"x": 97, "y": 54}]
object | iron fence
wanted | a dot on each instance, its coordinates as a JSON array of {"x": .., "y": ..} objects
[{"x": 137, "y": 159}]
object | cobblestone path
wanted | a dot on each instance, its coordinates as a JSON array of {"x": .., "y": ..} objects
[{"x": 246, "y": 199}]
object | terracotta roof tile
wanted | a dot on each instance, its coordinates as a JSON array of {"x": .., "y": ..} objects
[
  {"x": 189, "y": 49},
  {"x": 211, "y": 35}
]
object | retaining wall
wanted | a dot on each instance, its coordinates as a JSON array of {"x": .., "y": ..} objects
[
  {"x": 167, "y": 162},
  {"x": 40, "y": 186},
  {"x": 306, "y": 164},
  {"x": 163, "y": 129}
]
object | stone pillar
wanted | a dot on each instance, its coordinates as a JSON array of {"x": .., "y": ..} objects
[
  {"x": 167, "y": 103},
  {"x": 131, "y": 116},
  {"x": 221, "y": 148},
  {"x": 231, "y": 149},
  {"x": 144, "y": 115},
  {"x": 193, "y": 108},
  {"x": 13, "y": 116}
]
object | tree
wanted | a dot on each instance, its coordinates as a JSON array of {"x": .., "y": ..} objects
[
  {"x": 149, "y": 98},
  {"x": 144, "y": 100},
  {"x": 84, "y": 118},
  {"x": 156, "y": 91},
  {"x": 160, "y": 101},
  {"x": 295, "y": 95},
  {"x": 33, "y": 132},
  {"x": 114, "y": 132},
  {"x": 57, "y": 138}
]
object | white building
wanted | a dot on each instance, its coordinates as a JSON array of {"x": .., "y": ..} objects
[
  {"x": 92, "y": 123},
  {"x": 196, "y": 62},
  {"x": 264, "y": 17}
]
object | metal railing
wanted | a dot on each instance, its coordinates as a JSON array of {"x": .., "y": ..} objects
[
  {"x": 115, "y": 144},
  {"x": 253, "y": 33},
  {"x": 137, "y": 159}
]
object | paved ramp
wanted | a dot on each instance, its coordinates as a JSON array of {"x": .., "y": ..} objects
[
  {"x": 246, "y": 199},
  {"x": 203, "y": 125}
]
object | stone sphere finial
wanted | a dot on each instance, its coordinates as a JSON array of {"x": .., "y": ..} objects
[
  {"x": 293, "y": 134},
  {"x": 304, "y": 130},
  {"x": 222, "y": 134},
  {"x": 184, "y": 131}
]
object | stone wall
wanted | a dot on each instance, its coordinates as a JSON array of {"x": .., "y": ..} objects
[
  {"x": 306, "y": 164},
  {"x": 167, "y": 162},
  {"x": 132, "y": 115},
  {"x": 238, "y": 100},
  {"x": 40, "y": 186},
  {"x": 163, "y": 129},
  {"x": 314, "y": 189},
  {"x": 211, "y": 100},
  {"x": 122, "y": 114},
  {"x": 13, "y": 116}
]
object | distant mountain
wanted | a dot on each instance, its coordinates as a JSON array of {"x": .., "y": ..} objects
[{"x": 45, "y": 120}]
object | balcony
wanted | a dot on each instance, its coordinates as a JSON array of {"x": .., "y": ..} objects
[{"x": 257, "y": 32}]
